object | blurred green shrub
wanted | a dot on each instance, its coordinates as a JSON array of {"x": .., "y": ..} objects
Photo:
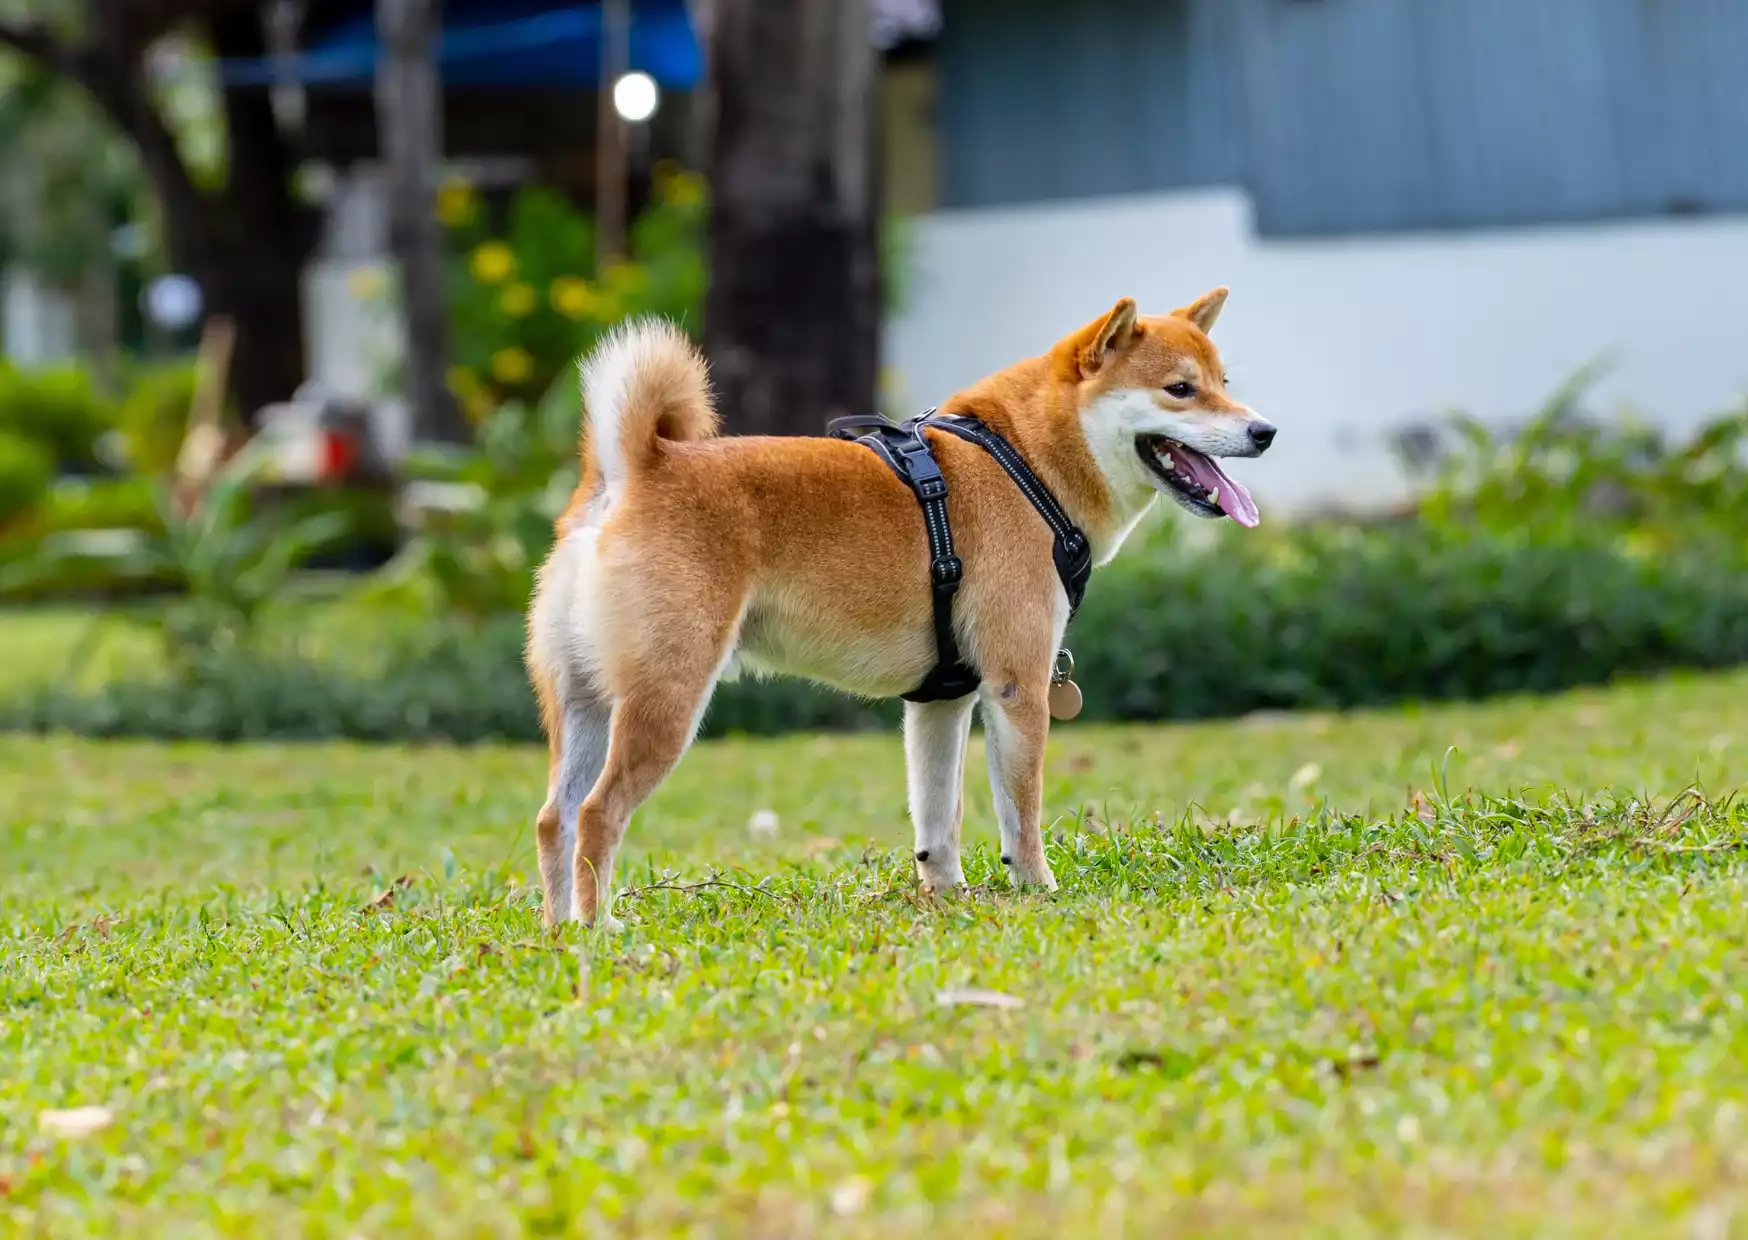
[
  {"x": 153, "y": 417},
  {"x": 1567, "y": 554},
  {"x": 1340, "y": 617},
  {"x": 1329, "y": 618},
  {"x": 453, "y": 685},
  {"x": 473, "y": 549},
  {"x": 75, "y": 504},
  {"x": 59, "y": 409},
  {"x": 126, "y": 502},
  {"x": 226, "y": 564},
  {"x": 1567, "y": 475},
  {"x": 27, "y": 468}
]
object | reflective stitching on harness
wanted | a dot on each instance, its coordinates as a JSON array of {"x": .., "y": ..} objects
[
  {"x": 1072, "y": 552},
  {"x": 905, "y": 449}
]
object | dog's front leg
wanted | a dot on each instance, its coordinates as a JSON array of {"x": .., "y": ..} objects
[
  {"x": 934, "y": 754},
  {"x": 1016, "y": 724}
]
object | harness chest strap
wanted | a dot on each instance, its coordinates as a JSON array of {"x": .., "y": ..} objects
[{"x": 905, "y": 449}]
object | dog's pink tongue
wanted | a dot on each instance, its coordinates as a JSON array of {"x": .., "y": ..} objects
[{"x": 1234, "y": 500}]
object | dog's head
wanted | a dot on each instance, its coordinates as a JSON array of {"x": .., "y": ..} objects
[{"x": 1154, "y": 408}]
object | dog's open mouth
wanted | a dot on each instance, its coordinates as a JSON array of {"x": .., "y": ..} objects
[{"x": 1195, "y": 481}]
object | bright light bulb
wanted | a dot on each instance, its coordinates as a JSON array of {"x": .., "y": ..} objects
[{"x": 635, "y": 97}]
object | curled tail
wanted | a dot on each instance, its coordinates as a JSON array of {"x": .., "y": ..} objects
[{"x": 645, "y": 382}]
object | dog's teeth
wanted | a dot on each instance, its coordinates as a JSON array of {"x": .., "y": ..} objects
[{"x": 1214, "y": 496}]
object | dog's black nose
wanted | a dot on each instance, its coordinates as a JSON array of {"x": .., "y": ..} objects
[{"x": 1262, "y": 434}]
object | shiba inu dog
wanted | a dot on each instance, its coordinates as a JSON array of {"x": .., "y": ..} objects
[{"x": 683, "y": 554}]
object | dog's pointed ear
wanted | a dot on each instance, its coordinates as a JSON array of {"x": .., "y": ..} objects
[
  {"x": 1204, "y": 309},
  {"x": 1111, "y": 334}
]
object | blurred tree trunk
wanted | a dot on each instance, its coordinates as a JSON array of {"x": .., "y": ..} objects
[
  {"x": 243, "y": 241},
  {"x": 409, "y": 123},
  {"x": 792, "y": 319},
  {"x": 260, "y": 236}
]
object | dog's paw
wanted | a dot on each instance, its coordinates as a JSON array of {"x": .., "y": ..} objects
[
  {"x": 1033, "y": 877},
  {"x": 944, "y": 891},
  {"x": 938, "y": 875},
  {"x": 605, "y": 922}
]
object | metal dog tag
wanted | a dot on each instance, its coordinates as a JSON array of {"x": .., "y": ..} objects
[
  {"x": 1064, "y": 700},
  {"x": 1064, "y": 697}
]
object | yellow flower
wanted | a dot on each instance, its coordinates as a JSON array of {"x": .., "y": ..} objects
[
  {"x": 492, "y": 262},
  {"x": 366, "y": 283},
  {"x": 572, "y": 297},
  {"x": 623, "y": 277},
  {"x": 683, "y": 189},
  {"x": 516, "y": 301},
  {"x": 512, "y": 365},
  {"x": 478, "y": 405},
  {"x": 455, "y": 202}
]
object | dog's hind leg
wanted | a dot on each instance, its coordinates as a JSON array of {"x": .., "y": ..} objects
[
  {"x": 579, "y": 745},
  {"x": 1016, "y": 724},
  {"x": 656, "y": 713},
  {"x": 934, "y": 754}
]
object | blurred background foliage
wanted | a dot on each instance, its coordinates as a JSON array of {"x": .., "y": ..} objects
[
  {"x": 1571, "y": 551},
  {"x": 1571, "y": 548}
]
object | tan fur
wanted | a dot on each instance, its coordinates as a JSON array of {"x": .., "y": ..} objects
[{"x": 807, "y": 556}]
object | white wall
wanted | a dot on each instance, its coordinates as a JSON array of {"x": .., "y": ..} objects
[
  {"x": 39, "y": 324},
  {"x": 352, "y": 339},
  {"x": 350, "y": 322},
  {"x": 1341, "y": 341}
]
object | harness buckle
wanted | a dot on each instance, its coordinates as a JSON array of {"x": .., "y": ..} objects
[
  {"x": 947, "y": 572},
  {"x": 925, "y": 475}
]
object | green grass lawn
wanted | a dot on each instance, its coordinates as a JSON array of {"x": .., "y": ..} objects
[
  {"x": 47, "y": 645},
  {"x": 84, "y": 647},
  {"x": 1471, "y": 970}
]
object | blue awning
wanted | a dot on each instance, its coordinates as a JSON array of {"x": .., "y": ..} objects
[{"x": 492, "y": 44}]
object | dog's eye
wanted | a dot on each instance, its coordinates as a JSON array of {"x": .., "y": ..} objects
[{"x": 1180, "y": 390}]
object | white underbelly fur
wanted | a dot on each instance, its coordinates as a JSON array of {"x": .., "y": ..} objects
[
  {"x": 565, "y": 625},
  {"x": 858, "y": 664}
]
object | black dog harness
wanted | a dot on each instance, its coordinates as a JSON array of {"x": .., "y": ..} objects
[{"x": 904, "y": 447}]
